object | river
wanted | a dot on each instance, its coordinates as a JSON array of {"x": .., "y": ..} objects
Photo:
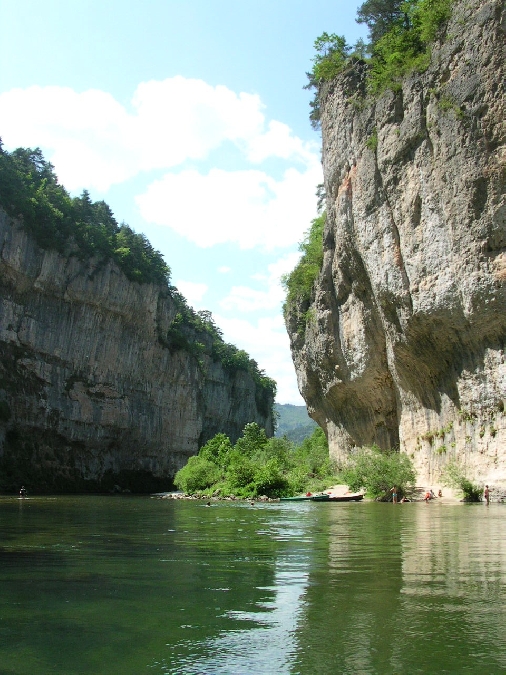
[{"x": 136, "y": 585}]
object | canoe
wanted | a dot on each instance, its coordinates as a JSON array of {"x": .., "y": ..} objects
[
  {"x": 356, "y": 497},
  {"x": 300, "y": 498},
  {"x": 346, "y": 498}
]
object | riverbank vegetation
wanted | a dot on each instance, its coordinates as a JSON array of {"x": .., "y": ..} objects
[
  {"x": 77, "y": 226},
  {"x": 400, "y": 36},
  {"x": 275, "y": 467},
  {"x": 454, "y": 476},
  {"x": 257, "y": 465},
  {"x": 378, "y": 472}
]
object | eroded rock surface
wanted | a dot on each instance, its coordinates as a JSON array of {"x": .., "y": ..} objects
[
  {"x": 90, "y": 393},
  {"x": 405, "y": 342}
]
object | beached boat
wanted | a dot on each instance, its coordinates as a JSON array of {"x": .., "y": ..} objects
[
  {"x": 299, "y": 498},
  {"x": 325, "y": 497},
  {"x": 357, "y": 497}
]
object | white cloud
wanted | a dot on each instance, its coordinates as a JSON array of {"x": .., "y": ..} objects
[
  {"x": 283, "y": 265},
  {"x": 248, "y": 208},
  {"x": 95, "y": 142},
  {"x": 278, "y": 141},
  {"x": 267, "y": 342},
  {"x": 246, "y": 299},
  {"x": 193, "y": 292},
  {"x": 224, "y": 269}
]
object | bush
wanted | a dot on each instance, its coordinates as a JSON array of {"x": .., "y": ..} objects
[
  {"x": 270, "y": 480},
  {"x": 454, "y": 477},
  {"x": 217, "y": 450},
  {"x": 198, "y": 474},
  {"x": 378, "y": 471},
  {"x": 252, "y": 440},
  {"x": 258, "y": 465}
]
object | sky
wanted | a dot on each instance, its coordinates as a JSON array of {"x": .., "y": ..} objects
[{"x": 189, "y": 118}]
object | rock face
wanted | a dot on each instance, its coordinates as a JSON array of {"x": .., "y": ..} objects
[
  {"x": 405, "y": 342},
  {"x": 90, "y": 393}
]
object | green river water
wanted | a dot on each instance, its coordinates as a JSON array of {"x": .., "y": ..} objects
[{"x": 136, "y": 585}]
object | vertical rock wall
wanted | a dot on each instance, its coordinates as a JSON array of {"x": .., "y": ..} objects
[
  {"x": 405, "y": 342},
  {"x": 90, "y": 394}
]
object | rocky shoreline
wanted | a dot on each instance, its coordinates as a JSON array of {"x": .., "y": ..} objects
[{"x": 449, "y": 496}]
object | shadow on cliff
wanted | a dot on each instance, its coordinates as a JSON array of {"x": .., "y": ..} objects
[{"x": 41, "y": 468}]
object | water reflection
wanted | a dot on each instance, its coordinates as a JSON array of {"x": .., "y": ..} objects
[
  {"x": 454, "y": 574},
  {"x": 130, "y": 586},
  {"x": 416, "y": 588},
  {"x": 263, "y": 637}
]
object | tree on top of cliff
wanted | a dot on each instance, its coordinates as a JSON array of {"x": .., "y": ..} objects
[
  {"x": 400, "y": 32},
  {"x": 380, "y": 15},
  {"x": 30, "y": 191}
]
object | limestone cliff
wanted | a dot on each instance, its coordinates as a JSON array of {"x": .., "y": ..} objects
[
  {"x": 404, "y": 344},
  {"x": 92, "y": 392}
]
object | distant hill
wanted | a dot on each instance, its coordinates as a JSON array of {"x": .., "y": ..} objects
[{"x": 294, "y": 422}]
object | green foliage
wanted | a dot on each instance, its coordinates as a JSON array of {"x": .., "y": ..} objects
[
  {"x": 331, "y": 56},
  {"x": 198, "y": 474},
  {"x": 372, "y": 141},
  {"x": 270, "y": 479},
  {"x": 403, "y": 44},
  {"x": 454, "y": 476},
  {"x": 299, "y": 283},
  {"x": 30, "y": 191},
  {"x": 429, "y": 16},
  {"x": 252, "y": 440},
  {"x": 400, "y": 32},
  {"x": 258, "y": 466},
  {"x": 379, "y": 16},
  {"x": 217, "y": 450},
  {"x": 396, "y": 52},
  {"x": 378, "y": 472}
]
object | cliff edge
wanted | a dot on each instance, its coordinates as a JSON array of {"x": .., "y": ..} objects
[
  {"x": 403, "y": 341},
  {"x": 93, "y": 392}
]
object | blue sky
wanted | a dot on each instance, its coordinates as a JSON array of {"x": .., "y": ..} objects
[{"x": 191, "y": 121}]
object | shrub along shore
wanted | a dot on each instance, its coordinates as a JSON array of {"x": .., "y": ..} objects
[{"x": 265, "y": 469}]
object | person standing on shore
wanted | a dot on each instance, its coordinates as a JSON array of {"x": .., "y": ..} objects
[
  {"x": 394, "y": 494},
  {"x": 486, "y": 494}
]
